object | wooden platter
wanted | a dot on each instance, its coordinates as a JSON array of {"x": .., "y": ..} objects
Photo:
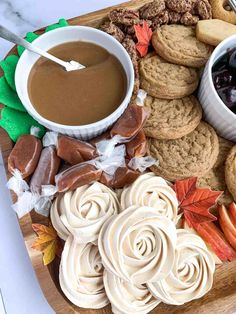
[{"x": 222, "y": 297}]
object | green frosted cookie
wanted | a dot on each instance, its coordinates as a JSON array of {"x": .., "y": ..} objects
[
  {"x": 61, "y": 23},
  {"x": 30, "y": 37},
  {"x": 9, "y": 67},
  {"x": 8, "y": 97},
  {"x": 17, "y": 123}
]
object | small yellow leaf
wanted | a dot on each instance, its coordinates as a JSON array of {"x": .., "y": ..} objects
[
  {"x": 49, "y": 253},
  {"x": 47, "y": 242}
]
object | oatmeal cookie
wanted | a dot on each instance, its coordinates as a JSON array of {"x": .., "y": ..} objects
[
  {"x": 191, "y": 155},
  {"x": 230, "y": 171},
  {"x": 165, "y": 80},
  {"x": 215, "y": 180},
  {"x": 224, "y": 149},
  {"x": 172, "y": 119},
  {"x": 178, "y": 44}
]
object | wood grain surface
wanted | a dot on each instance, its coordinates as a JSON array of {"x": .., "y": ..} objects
[{"x": 221, "y": 299}]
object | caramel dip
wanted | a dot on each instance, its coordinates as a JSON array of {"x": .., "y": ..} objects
[{"x": 77, "y": 97}]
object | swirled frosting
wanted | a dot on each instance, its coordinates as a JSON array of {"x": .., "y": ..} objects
[
  {"x": 192, "y": 273},
  {"x": 152, "y": 191},
  {"x": 138, "y": 245},
  {"x": 81, "y": 275},
  {"x": 83, "y": 212},
  {"x": 127, "y": 298}
]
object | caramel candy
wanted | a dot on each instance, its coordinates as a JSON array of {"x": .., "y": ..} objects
[
  {"x": 99, "y": 138},
  {"x": 137, "y": 147},
  {"x": 46, "y": 170},
  {"x": 76, "y": 176},
  {"x": 74, "y": 151},
  {"x": 131, "y": 121},
  {"x": 122, "y": 177},
  {"x": 25, "y": 155}
]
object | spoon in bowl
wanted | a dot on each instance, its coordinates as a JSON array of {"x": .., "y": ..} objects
[{"x": 8, "y": 35}]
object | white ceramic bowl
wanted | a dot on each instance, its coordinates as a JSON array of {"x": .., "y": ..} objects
[
  {"x": 215, "y": 111},
  {"x": 64, "y": 35}
]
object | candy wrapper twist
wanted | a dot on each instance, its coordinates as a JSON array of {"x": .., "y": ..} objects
[{"x": 115, "y": 158}]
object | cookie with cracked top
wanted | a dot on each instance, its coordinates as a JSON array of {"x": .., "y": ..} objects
[
  {"x": 178, "y": 44},
  {"x": 172, "y": 119},
  {"x": 230, "y": 171},
  {"x": 191, "y": 155},
  {"x": 162, "y": 79}
]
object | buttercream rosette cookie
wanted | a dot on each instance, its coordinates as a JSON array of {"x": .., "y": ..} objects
[
  {"x": 152, "y": 191},
  {"x": 81, "y": 275},
  {"x": 138, "y": 245},
  {"x": 192, "y": 274},
  {"x": 127, "y": 298},
  {"x": 83, "y": 212}
]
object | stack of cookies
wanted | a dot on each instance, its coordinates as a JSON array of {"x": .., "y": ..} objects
[{"x": 183, "y": 144}]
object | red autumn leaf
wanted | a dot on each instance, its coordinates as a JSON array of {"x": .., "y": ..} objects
[
  {"x": 194, "y": 203},
  {"x": 144, "y": 34}
]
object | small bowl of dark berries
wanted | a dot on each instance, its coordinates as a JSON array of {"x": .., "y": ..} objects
[{"x": 217, "y": 92}]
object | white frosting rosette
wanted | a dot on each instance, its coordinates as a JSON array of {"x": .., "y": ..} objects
[
  {"x": 192, "y": 273},
  {"x": 138, "y": 245},
  {"x": 81, "y": 275},
  {"x": 127, "y": 298},
  {"x": 152, "y": 191},
  {"x": 83, "y": 212}
]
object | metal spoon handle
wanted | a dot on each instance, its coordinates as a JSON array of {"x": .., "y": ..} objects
[{"x": 8, "y": 35}]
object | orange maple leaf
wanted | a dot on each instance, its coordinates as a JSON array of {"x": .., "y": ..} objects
[
  {"x": 47, "y": 242},
  {"x": 144, "y": 34},
  {"x": 194, "y": 202}
]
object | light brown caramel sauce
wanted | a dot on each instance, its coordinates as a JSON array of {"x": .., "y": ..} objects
[{"x": 77, "y": 97}]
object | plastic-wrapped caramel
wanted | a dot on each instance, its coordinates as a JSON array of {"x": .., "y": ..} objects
[
  {"x": 46, "y": 170},
  {"x": 122, "y": 177},
  {"x": 99, "y": 138},
  {"x": 137, "y": 147},
  {"x": 76, "y": 176},
  {"x": 25, "y": 155},
  {"x": 131, "y": 121},
  {"x": 74, "y": 151}
]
